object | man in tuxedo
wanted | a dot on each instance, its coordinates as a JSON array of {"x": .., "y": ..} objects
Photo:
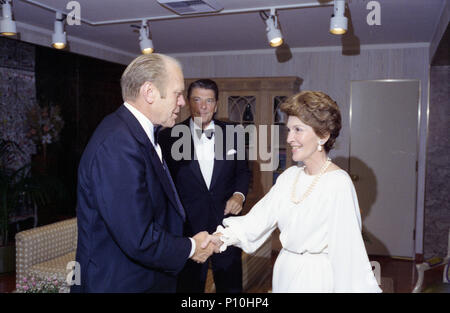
[
  {"x": 212, "y": 182},
  {"x": 129, "y": 215}
]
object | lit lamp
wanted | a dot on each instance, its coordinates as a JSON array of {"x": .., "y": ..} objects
[
  {"x": 59, "y": 35},
  {"x": 7, "y": 25},
  {"x": 338, "y": 22},
  {"x": 274, "y": 35},
  {"x": 145, "y": 42}
]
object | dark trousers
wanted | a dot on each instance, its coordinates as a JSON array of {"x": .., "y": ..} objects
[{"x": 227, "y": 273}]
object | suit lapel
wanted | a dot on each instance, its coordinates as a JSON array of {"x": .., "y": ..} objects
[
  {"x": 140, "y": 135},
  {"x": 218, "y": 164},
  {"x": 194, "y": 166}
]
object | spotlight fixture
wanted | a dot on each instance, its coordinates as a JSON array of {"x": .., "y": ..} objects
[
  {"x": 274, "y": 35},
  {"x": 145, "y": 42},
  {"x": 338, "y": 22},
  {"x": 59, "y": 35},
  {"x": 7, "y": 25}
]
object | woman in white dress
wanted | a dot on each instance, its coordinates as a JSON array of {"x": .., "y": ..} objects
[{"x": 315, "y": 208}]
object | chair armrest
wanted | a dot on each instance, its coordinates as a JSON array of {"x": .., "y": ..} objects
[{"x": 44, "y": 243}]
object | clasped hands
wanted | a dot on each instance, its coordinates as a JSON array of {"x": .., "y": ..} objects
[{"x": 205, "y": 246}]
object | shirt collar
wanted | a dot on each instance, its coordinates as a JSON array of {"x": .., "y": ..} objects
[
  {"x": 146, "y": 124},
  {"x": 195, "y": 126}
]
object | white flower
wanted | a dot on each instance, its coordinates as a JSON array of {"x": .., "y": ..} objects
[{"x": 47, "y": 139}]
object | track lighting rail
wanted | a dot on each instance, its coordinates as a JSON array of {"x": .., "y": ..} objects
[{"x": 175, "y": 16}]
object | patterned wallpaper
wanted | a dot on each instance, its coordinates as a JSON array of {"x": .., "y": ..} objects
[
  {"x": 16, "y": 54},
  {"x": 17, "y": 94},
  {"x": 437, "y": 197}
]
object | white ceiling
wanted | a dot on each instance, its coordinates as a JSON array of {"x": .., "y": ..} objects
[{"x": 402, "y": 21}]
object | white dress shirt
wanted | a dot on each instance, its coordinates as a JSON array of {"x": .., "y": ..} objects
[
  {"x": 204, "y": 150},
  {"x": 148, "y": 126}
]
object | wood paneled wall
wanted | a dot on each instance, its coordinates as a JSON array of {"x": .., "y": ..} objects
[{"x": 87, "y": 90}]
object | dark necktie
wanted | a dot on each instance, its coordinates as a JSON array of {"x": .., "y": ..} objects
[
  {"x": 177, "y": 198},
  {"x": 208, "y": 133},
  {"x": 156, "y": 130}
]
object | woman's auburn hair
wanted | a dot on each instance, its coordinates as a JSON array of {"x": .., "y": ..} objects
[{"x": 318, "y": 110}]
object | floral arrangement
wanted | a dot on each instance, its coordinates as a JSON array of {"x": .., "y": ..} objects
[
  {"x": 33, "y": 284},
  {"x": 45, "y": 124}
]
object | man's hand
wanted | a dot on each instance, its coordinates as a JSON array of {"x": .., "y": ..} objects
[
  {"x": 214, "y": 241},
  {"x": 201, "y": 253},
  {"x": 234, "y": 205}
]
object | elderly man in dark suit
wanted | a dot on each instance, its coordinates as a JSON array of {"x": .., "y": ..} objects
[
  {"x": 129, "y": 215},
  {"x": 212, "y": 180}
]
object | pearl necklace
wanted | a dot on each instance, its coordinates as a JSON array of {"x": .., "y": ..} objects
[{"x": 311, "y": 186}]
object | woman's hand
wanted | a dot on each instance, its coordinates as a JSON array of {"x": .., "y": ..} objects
[{"x": 213, "y": 240}]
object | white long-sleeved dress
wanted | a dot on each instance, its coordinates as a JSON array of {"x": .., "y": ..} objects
[{"x": 323, "y": 249}]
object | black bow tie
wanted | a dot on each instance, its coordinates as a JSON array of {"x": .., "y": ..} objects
[
  {"x": 208, "y": 133},
  {"x": 156, "y": 130}
]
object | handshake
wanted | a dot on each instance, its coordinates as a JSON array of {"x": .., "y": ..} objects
[{"x": 205, "y": 246}]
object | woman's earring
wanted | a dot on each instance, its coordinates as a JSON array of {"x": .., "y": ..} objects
[{"x": 319, "y": 146}]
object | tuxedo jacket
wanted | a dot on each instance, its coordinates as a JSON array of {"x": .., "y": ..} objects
[
  {"x": 205, "y": 207},
  {"x": 129, "y": 224}
]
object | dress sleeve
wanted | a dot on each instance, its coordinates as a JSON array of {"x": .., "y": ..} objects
[
  {"x": 250, "y": 231},
  {"x": 352, "y": 271}
]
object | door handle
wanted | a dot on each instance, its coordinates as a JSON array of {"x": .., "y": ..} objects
[{"x": 354, "y": 177}]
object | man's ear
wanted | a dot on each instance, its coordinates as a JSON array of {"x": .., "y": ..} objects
[{"x": 149, "y": 92}]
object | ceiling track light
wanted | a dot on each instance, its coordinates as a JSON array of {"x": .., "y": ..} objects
[
  {"x": 59, "y": 40},
  {"x": 274, "y": 35},
  {"x": 338, "y": 22},
  {"x": 145, "y": 42},
  {"x": 7, "y": 25}
]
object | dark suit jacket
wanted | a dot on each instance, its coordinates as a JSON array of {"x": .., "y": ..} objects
[
  {"x": 129, "y": 225},
  {"x": 205, "y": 208}
]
